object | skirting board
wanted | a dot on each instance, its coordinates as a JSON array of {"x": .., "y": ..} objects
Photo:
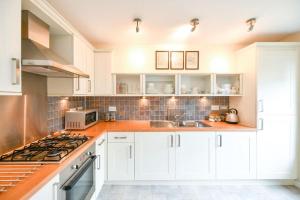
[
  {"x": 297, "y": 183},
  {"x": 221, "y": 182}
]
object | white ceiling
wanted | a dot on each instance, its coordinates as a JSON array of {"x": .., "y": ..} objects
[{"x": 109, "y": 22}]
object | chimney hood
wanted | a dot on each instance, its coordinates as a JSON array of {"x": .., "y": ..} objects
[{"x": 37, "y": 57}]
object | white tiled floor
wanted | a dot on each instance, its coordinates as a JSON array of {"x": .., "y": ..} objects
[{"x": 110, "y": 192}]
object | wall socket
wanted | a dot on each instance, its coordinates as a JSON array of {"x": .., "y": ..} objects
[
  {"x": 215, "y": 107},
  {"x": 223, "y": 107}
]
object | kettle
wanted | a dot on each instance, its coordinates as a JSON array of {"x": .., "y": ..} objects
[{"x": 232, "y": 116}]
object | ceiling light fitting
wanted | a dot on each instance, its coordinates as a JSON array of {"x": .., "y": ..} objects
[
  {"x": 251, "y": 23},
  {"x": 137, "y": 21},
  {"x": 194, "y": 22}
]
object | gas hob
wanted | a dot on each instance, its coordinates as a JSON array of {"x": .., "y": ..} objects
[{"x": 49, "y": 149}]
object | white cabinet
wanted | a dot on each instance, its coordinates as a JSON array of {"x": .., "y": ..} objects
[
  {"x": 120, "y": 159},
  {"x": 48, "y": 191},
  {"x": 277, "y": 76},
  {"x": 90, "y": 63},
  {"x": 10, "y": 51},
  {"x": 277, "y": 149},
  {"x": 270, "y": 103},
  {"x": 195, "y": 155},
  {"x": 236, "y": 155},
  {"x": 228, "y": 84},
  {"x": 196, "y": 84},
  {"x": 128, "y": 84},
  {"x": 102, "y": 73},
  {"x": 160, "y": 84},
  {"x": 78, "y": 53},
  {"x": 100, "y": 164},
  {"x": 155, "y": 156},
  {"x": 80, "y": 61}
]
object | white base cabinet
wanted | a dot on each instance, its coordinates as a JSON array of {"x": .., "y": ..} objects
[
  {"x": 155, "y": 156},
  {"x": 48, "y": 191},
  {"x": 161, "y": 156},
  {"x": 236, "y": 155},
  {"x": 100, "y": 165},
  {"x": 120, "y": 156},
  {"x": 195, "y": 155}
]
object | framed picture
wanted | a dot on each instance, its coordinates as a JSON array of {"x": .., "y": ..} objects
[
  {"x": 162, "y": 60},
  {"x": 177, "y": 60},
  {"x": 192, "y": 60}
]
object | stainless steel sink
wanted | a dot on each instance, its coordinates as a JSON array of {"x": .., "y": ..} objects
[
  {"x": 197, "y": 124},
  {"x": 162, "y": 124},
  {"x": 171, "y": 124}
]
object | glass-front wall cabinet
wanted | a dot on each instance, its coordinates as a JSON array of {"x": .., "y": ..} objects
[
  {"x": 195, "y": 84},
  {"x": 128, "y": 84},
  {"x": 228, "y": 84},
  {"x": 158, "y": 84}
]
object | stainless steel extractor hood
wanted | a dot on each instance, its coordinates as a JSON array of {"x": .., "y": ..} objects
[{"x": 37, "y": 57}]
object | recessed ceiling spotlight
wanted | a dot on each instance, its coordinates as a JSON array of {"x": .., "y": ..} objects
[
  {"x": 194, "y": 22},
  {"x": 251, "y": 23},
  {"x": 137, "y": 21}
]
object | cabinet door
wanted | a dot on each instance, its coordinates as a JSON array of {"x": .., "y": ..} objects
[
  {"x": 195, "y": 155},
  {"x": 155, "y": 156},
  {"x": 10, "y": 51},
  {"x": 102, "y": 73},
  {"x": 277, "y": 149},
  {"x": 90, "y": 71},
  {"x": 120, "y": 161},
  {"x": 276, "y": 80},
  {"x": 80, "y": 57},
  {"x": 100, "y": 164},
  {"x": 236, "y": 155},
  {"x": 48, "y": 191}
]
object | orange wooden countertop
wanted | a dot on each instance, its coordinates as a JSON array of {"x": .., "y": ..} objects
[{"x": 28, "y": 186}]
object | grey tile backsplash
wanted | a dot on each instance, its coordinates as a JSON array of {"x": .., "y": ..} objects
[{"x": 134, "y": 108}]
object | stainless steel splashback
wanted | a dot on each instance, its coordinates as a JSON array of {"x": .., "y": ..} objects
[{"x": 23, "y": 119}]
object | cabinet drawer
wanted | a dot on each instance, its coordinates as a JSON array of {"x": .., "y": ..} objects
[{"x": 120, "y": 137}]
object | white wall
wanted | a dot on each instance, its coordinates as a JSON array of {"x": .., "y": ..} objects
[{"x": 141, "y": 58}]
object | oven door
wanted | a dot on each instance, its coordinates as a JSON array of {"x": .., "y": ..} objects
[{"x": 81, "y": 184}]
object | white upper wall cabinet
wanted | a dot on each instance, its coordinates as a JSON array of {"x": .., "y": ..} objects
[
  {"x": 160, "y": 84},
  {"x": 128, "y": 84},
  {"x": 79, "y": 54},
  {"x": 196, "y": 84},
  {"x": 10, "y": 51},
  {"x": 228, "y": 84},
  {"x": 102, "y": 73}
]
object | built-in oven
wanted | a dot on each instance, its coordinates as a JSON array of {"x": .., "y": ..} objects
[{"x": 77, "y": 181}]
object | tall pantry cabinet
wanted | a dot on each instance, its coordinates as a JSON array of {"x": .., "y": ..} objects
[{"x": 271, "y": 74}]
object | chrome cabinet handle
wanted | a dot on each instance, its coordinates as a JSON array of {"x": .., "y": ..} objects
[
  {"x": 260, "y": 124},
  {"x": 15, "y": 71},
  {"x": 90, "y": 85},
  {"x": 179, "y": 141},
  {"x": 130, "y": 151},
  {"x": 172, "y": 141},
  {"x": 123, "y": 137},
  {"x": 260, "y": 105},
  {"x": 101, "y": 142},
  {"x": 78, "y": 84},
  {"x": 55, "y": 191},
  {"x": 220, "y": 141},
  {"x": 99, "y": 161}
]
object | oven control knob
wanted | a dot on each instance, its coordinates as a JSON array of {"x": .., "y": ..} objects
[{"x": 75, "y": 167}]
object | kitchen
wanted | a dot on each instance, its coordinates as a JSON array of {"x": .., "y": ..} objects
[{"x": 110, "y": 100}]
